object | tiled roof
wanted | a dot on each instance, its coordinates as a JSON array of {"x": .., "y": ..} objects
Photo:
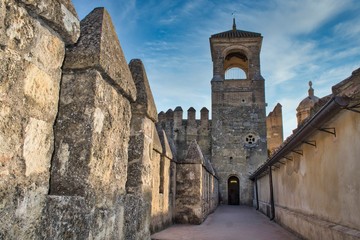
[{"x": 236, "y": 34}]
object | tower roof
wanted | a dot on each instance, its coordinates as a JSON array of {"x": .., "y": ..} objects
[{"x": 236, "y": 34}]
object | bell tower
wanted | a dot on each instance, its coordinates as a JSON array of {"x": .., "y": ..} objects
[{"x": 238, "y": 112}]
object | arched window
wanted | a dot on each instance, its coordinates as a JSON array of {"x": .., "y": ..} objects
[{"x": 235, "y": 73}]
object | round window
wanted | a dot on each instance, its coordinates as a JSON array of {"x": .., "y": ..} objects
[{"x": 250, "y": 139}]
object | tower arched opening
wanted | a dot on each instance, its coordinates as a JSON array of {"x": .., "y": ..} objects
[{"x": 236, "y": 65}]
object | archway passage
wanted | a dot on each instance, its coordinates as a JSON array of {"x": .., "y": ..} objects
[{"x": 233, "y": 191}]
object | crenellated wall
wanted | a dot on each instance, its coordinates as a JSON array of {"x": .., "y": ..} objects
[
  {"x": 81, "y": 153},
  {"x": 184, "y": 131}
]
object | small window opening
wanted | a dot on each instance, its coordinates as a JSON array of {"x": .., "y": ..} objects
[{"x": 250, "y": 139}]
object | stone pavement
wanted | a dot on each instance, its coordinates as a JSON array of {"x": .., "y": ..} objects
[{"x": 228, "y": 223}]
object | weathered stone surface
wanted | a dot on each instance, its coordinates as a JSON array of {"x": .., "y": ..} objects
[
  {"x": 92, "y": 133},
  {"x": 157, "y": 145},
  {"x": 31, "y": 57},
  {"x": 182, "y": 132},
  {"x": 194, "y": 154},
  {"x": 90, "y": 158},
  {"x": 137, "y": 220},
  {"x": 166, "y": 149},
  {"x": 140, "y": 147},
  {"x": 144, "y": 99},
  {"x": 98, "y": 47},
  {"x": 38, "y": 147},
  {"x": 238, "y": 128},
  {"x": 196, "y": 187},
  {"x": 188, "y": 194},
  {"x": 59, "y": 14},
  {"x": 163, "y": 182},
  {"x": 274, "y": 129},
  {"x": 62, "y": 214}
]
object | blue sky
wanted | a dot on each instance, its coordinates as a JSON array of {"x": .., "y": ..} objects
[{"x": 305, "y": 40}]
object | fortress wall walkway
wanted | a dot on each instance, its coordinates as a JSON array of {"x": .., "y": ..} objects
[{"x": 228, "y": 223}]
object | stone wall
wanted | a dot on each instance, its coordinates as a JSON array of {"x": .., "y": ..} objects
[
  {"x": 140, "y": 170},
  {"x": 184, "y": 131},
  {"x": 274, "y": 127},
  {"x": 33, "y": 35},
  {"x": 81, "y": 154},
  {"x": 92, "y": 134},
  {"x": 163, "y": 185},
  {"x": 317, "y": 188},
  {"x": 196, "y": 187},
  {"x": 238, "y": 133}
]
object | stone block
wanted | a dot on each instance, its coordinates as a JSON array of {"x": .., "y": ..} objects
[
  {"x": 137, "y": 221},
  {"x": 60, "y": 15},
  {"x": 92, "y": 134},
  {"x": 66, "y": 217},
  {"x": 194, "y": 154},
  {"x": 165, "y": 145},
  {"x": 41, "y": 92},
  {"x": 38, "y": 146},
  {"x": 140, "y": 151},
  {"x": 17, "y": 27},
  {"x": 98, "y": 47},
  {"x": 188, "y": 194},
  {"x": 144, "y": 99}
]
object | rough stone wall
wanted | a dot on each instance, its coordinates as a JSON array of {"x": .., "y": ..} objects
[
  {"x": 317, "y": 193},
  {"x": 92, "y": 133},
  {"x": 195, "y": 196},
  {"x": 274, "y": 127},
  {"x": 238, "y": 116},
  {"x": 183, "y": 131},
  {"x": 163, "y": 185},
  {"x": 140, "y": 172},
  {"x": 33, "y": 35}
]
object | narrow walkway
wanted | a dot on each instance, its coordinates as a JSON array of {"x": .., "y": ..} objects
[{"x": 228, "y": 223}]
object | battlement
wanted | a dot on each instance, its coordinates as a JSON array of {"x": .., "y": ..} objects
[
  {"x": 183, "y": 131},
  {"x": 176, "y": 116}
]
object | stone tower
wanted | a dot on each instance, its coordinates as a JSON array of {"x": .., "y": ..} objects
[{"x": 238, "y": 112}]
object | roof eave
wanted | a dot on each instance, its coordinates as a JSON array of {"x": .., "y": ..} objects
[{"x": 331, "y": 108}]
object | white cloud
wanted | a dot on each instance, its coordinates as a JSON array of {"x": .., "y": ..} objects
[{"x": 172, "y": 41}]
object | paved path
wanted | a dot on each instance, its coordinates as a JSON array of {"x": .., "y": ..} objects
[{"x": 228, "y": 223}]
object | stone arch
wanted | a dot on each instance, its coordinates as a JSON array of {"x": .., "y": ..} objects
[{"x": 236, "y": 57}]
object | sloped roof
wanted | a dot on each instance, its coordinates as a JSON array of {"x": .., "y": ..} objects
[
  {"x": 236, "y": 34},
  {"x": 345, "y": 95}
]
